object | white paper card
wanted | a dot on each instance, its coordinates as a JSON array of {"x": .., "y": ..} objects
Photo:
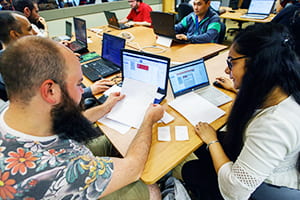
[
  {"x": 164, "y": 133},
  {"x": 195, "y": 108},
  {"x": 121, "y": 128},
  {"x": 181, "y": 133},
  {"x": 131, "y": 109},
  {"x": 164, "y": 41},
  {"x": 167, "y": 118}
]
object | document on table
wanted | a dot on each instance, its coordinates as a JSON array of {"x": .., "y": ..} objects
[
  {"x": 195, "y": 108},
  {"x": 121, "y": 128},
  {"x": 131, "y": 109}
]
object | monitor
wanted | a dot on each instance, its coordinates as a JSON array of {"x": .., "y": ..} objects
[{"x": 111, "y": 48}]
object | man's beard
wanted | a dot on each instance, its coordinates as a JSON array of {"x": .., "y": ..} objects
[{"x": 69, "y": 123}]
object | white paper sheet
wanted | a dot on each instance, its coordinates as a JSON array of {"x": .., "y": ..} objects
[
  {"x": 164, "y": 133},
  {"x": 181, "y": 133},
  {"x": 167, "y": 118},
  {"x": 114, "y": 88},
  {"x": 121, "y": 128},
  {"x": 132, "y": 108},
  {"x": 195, "y": 108}
]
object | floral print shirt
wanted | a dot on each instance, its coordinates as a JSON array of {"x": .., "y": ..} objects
[{"x": 49, "y": 168}]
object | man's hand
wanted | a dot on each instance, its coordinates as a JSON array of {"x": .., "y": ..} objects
[
  {"x": 43, "y": 21},
  {"x": 181, "y": 37},
  {"x": 112, "y": 100},
  {"x": 154, "y": 113},
  {"x": 101, "y": 86}
]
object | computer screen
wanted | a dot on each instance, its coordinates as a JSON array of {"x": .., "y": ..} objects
[
  {"x": 111, "y": 48},
  {"x": 261, "y": 6},
  {"x": 163, "y": 23},
  {"x": 80, "y": 29},
  {"x": 188, "y": 75},
  {"x": 145, "y": 67}
]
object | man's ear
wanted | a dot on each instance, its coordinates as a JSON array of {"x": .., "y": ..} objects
[
  {"x": 27, "y": 12},
  {"x": 14, "y": 35},
  {"x": 50, "y": 91}
]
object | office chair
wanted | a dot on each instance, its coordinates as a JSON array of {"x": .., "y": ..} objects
[
  {"x": 222, "y": 33},
  {"x": 234, "y": 5},
  {"x": 183, "y": 10}
]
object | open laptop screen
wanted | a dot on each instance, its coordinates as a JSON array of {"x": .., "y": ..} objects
[
  {"x": 260, "y": 7},
  {"x": 80, "y": 30},
  {"x": 69, "y": 29},
  {"x": 188, "y": 77},
  {"x": 145, "y": 67},
  {"x": 111, "y": 48},
  {"x": 163, "y": 23}
]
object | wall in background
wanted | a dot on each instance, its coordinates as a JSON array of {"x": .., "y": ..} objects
[{"x": 93, "y": 14}]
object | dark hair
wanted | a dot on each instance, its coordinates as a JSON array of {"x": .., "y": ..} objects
[
  {"x": 271, "y": 63},
  {"x": 38, "y": 59},
  {"x": 295, "y": 30},
  {"x": 139, "y": 1},
  {"x": 19, "y": 5},
  {"x": 8, "y": 22}
]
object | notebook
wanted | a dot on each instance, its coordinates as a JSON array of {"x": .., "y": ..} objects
[
  {"x": 145, "y": 67},
  {"x": 259, "y": 9},
  {"x": 80, "y": 43},
  {"x": 110, "y": 61},
  {"x": 192, "y": 77},
  {"x": 113, "y": 22},
  {"x": 163, "y": 25},
  {"x": 68, "y": 34}
]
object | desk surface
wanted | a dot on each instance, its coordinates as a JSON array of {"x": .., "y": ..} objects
[
  {"x": 236, "y": 15},
  {"x": 164, "y": 156}
]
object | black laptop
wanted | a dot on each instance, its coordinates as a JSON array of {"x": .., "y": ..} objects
[
  {"x": 113, "y": 22},
  {"x": 80, "y": 43},
  {"x": 164, "y": 25},
  {"x": 110, "y": 61}
]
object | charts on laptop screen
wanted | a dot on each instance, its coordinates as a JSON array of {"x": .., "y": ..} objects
[
  {"x": 146, "y": 67},
  {"x": 261, "y": 6},
  {"x": 111, "y": 48},
  {"x": 80, "y": 29},
  {"x": 188, "y": 75}
]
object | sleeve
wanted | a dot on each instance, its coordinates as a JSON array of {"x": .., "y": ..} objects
[
  {"x": 87, "y": 92},
  {"x": 181, "y": 26},
  {"x": 210, "y": 36},
  {"x": 265, "y": 147}
]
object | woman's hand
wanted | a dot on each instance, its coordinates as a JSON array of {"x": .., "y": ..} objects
[{"x": 206, "y": 132}]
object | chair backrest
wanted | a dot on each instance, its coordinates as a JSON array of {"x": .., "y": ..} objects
[
  {"x": 222, "y": 33},
  {"x": 183, "y": 10}
]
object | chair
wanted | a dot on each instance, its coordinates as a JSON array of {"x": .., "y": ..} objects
[
  {"x": 222, "y": 33},
  {"x": 234, "y": 5},
  {"x": 183, "y": 10}
]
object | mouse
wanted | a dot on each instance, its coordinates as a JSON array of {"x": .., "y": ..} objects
[
  {"x": 217, "y": 84},
  {"x": 89, "y": 102}
]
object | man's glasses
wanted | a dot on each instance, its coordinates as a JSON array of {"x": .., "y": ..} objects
[{"x": 230, "y": 59}]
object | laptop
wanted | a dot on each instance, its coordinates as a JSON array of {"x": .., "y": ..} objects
[
  {"x": 68, "y": 34},
  {"x": 80, "y": 43},
  {"x": 164, "y": 25},
  {"x": 259, "y": 9},
  {"x": 113, "y": 22},
  {"x": 110, "y": 61},
  {"x": 192, "y": 77},
  {"x": 145, "y": 67}
]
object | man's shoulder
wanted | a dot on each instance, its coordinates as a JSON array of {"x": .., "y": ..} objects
[{"x": 145, "y": 6}]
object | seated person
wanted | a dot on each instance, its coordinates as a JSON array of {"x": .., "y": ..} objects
[
  {"x": 5, "y": 5},
  {"x": 43, "y": 133},
  {"x": 31, "y": 11},
  {"x": 139, "y": 14},
  {"x": 200, "y": 26},
  {"x": 258, "y": 156}
]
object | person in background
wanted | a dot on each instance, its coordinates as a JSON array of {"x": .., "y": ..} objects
[
  {"x": 258, "y": 156},
  {"x": 200, "y": 26},
  {"x": 139, "y": 14},
  {"x": 43, "y": 133},
  {"x": 31, "y": 11},
  {"x": 5, "y": 5}
]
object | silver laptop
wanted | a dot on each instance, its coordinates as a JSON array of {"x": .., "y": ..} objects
[
  {"x": 259, "y": 9},
  {"x": 192, "y": 77}
]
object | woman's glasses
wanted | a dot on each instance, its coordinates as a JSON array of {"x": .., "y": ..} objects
[{"x": 230, "y": 59}]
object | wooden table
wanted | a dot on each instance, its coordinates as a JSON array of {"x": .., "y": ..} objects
[
  {"x": 236, "y": 15},
  {"x": 164, "y": 156}
]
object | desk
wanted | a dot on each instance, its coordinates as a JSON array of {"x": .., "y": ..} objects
[
  {"x": 164, "y": 156},
  {"x": 236, "y": 15}
]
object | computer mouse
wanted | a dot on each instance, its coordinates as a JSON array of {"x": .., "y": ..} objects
[
  {"x": 89, "y": 102},
  {"x": 217, "y": 84}
]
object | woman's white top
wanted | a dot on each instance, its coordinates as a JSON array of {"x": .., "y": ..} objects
[{"x": 270, "y": 152}]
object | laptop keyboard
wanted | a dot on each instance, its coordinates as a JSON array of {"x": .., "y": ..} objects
[
  {"x": 213, "y": 95},
  {"x": 97, "y": 69},
  {"x": 74, "y": 46},
  {"x": 254, "y": 16}
]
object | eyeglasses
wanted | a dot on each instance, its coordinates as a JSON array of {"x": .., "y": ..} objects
[{"x": 230, "y": 59}]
